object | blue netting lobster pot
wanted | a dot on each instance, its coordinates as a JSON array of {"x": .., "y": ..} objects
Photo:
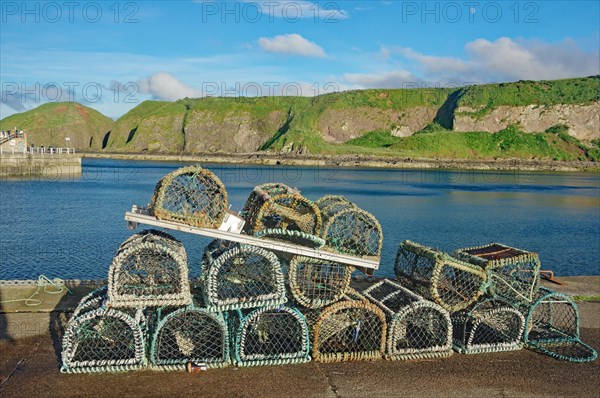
[
  {"x": 149, "y": 269},
  {"x": 449, "y": 282},
  {"x": 513, "y": 274},
  {"x": 102, "y": 339},
  {"x": 237, "y": 276},
  {"x": 271, "y": 335},
  {"x": 490, "y": 326},
  {"x": 417, "y": 328},
  {"x": 189, "y": 335},
  {"x": 348, "y": 229},
  {"x": 552, "y": 328},
  {"x": 352, "y": 329},
  {"x": 190, "y": 195}
]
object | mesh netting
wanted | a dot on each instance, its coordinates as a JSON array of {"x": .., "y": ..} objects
[
  {"x": 280, "y": 208},
  {"x": 191, "y": 195},
  {"x": 490, "y": 326},
  {"x": 241, "y": 276},
  {"x": 349, "y": 229},
  {"x": 417, "y": 328},
  {"x": 451, "y": 283},
  {"x": 513, "y": 274},
  {"x": 350, "y": 330},
  {"x": 552, "y": 328},
  {"x": 189, "y": 334},
  {"x": 102, "y": 339},
  {"x": 316, "y": 283},
  {"x": 149, "y": 269},
  {"x": 272, "y": 335}
]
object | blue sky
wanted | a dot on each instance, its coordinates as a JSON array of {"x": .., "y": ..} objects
[{"x": 113, "y": 55}]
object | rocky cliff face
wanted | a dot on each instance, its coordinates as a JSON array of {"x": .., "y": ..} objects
[
  {"x": 340, "y": 125},
  {"x": 583, "y": 120}
]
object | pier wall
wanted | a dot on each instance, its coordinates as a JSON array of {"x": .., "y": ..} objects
[{"x": 39, "y": 165}]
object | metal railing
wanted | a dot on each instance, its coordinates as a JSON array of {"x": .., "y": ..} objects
[{"x": 37, "y": 150}]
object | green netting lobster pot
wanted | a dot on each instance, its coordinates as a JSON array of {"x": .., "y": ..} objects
[
  {"x": 352, "y": 329},
  {"x": 417, "y": 328},
  {"x": 349, "y": 229},
  {"x": 317, "y": 283},
  {"x": 513, "y": 274},
  {"x": 189, "y": 335},
  {"x": 279, "y": 212},
  {"x": 490, "y": 326},
  {"x": 449, "y": 282},
  {"x": 190, "y": 195},
  {"x": 239, "y": 276},
  {"x": 272, "y": 335},
  {"x": 552, "y": 328},
  {"x": 102, "y": 339},
  {"x": 149, "y": 269}
]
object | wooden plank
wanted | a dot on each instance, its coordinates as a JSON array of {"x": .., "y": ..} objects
[{"x": 367, "y": 266}]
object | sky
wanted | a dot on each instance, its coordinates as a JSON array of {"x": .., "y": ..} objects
[{"x": 113, "y": 55}]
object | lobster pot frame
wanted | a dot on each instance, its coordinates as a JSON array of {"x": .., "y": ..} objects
[
  {"x": 513, "y": 274},
  {"x": 417, "y": 328},
  {"x": 189, "y": 334},
  {"x": 316, "y": 283},
  {"x": 280, "y": 212},
  {"x": 101, "y": 339},
  {"x": 552, "y": 328},
  {"x": 490, "y": 326},
  {"x": 272, "y": 335},
  {"x": 349, "y": 229},
  {"x": 190, "y": 195},
  {"x": 149, "y": 269},
  {"x": 350, "y": 330},
  {"x": 449, "y": 282},
  {"x": 239, "y": 276}
]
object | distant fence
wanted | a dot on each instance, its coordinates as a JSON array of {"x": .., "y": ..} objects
[{"x": 37, "y": 150}]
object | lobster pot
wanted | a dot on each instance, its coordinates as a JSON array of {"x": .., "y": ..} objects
[
  {"x": 149, "y": 269},
  {"x": 349, "y": 229},
  {"x": 190, "y": 195},
  {"x": 239, "y": 276},
  {"x": 350, "y": 330},
  {"x": 277, "y": 211},
  {"x": 189, "y": 334},
  {"x": 317, "y": 283},
  {"x": 552, "y": 328},
  {"x": 417, "y": 328},
  {"x": 272, "y": 335},
  {"x": 449, "y": 282},
  {"x": 102, "y": 339},
  {"x": 490, "y": 326},
  {"x": 513, "y": 274}
]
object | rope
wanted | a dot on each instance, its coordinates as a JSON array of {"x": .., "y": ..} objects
[{"x": 45, "y": 283}]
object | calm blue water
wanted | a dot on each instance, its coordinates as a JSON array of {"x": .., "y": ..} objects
[{"x": 71, "y": 227}]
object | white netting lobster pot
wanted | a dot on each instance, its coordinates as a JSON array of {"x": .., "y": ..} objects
[
  {"x": 149, "y": 269},
  {"x": 552, "y": 328},
  {"x": 316, "y": 283},
  {"x": 513, "y": 274},
  {"x": 190, "y": 195},
  {"x": 490, "y": 326},
  {"x": 102, "y": 339},
  {"x": 417, "y": 328},
  {"x": 272, "y": 335},
  {"x": 189, "y": 335},
  {"x": 352, "y": 329},
  {"x": 236, "y": 276},
  {"x": 449, "y": 282},
  {"x": 277, "y": 211},
  {"x": 349, "y": 229}
]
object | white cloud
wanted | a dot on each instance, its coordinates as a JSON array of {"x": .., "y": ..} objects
[
  {"x": 506, "y": 59},
  {"x": 387, "y": 79},
  {"x": 300, "y": 9},
  {"x": 165, "y": 86},
  {"x": 291, "y": 44}
]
